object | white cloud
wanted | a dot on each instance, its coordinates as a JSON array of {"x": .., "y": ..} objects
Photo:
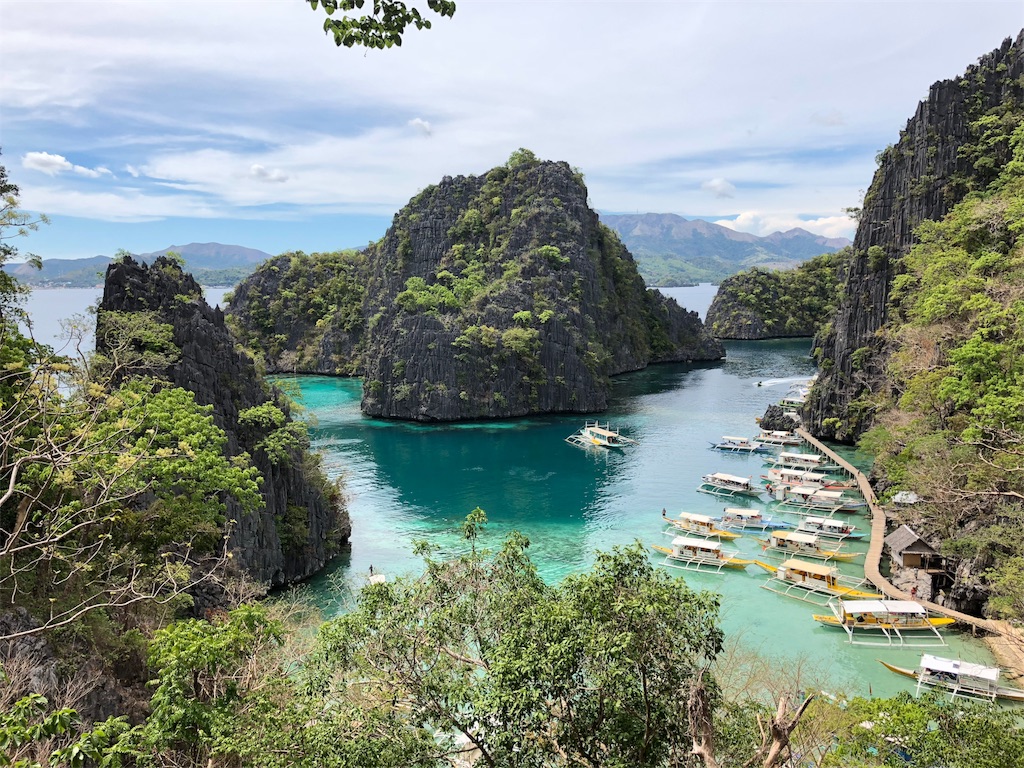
[
  {"x": 719, "y": 188},
  {"x": 831, "y": 118},
  {"x": 761, "y": 223},
  {"x": 52, "y": 165},
  {"x": 132, "y": 171},
  {"x": 421, "y": 125},
  {"x": 257, "y": 171}
]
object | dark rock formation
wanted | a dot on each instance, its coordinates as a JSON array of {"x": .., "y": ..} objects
[
  {"x": 776, "y": 419},
  {"x": 935, "y": 163},
  {"x": 538, "y": 304},
  {"x": 489, "y": 297},
  {"x": 760, "y": 304},
  {"x": 295, "y": 493}
]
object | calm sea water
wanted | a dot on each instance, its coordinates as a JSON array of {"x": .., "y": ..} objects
[{"x": 407, "y": 482}]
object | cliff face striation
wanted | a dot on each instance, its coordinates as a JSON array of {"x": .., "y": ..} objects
[
  {"x": 303, "y": 522},
  {"x": 489, "y": 297},
  {"x": 954, "y": 143}
]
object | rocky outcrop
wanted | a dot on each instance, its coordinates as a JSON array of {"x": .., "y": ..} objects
[
  {"x": 775, "y": 418},
  {"x": 489, "y": 297},
  {"x": 303, "y": 521},
  {"x": 502, "y": 295},
  {"x": 760, "y": 304},
  {"x": 950, "y": 146}
]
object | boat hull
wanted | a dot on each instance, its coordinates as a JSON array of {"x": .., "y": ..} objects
[{"x": 1001, "y": 692}]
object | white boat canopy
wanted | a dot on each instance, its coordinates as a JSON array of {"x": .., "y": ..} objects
[
  {"x": 812, "y": 568},
  {"x": 601, "y": 431},
  {"x": 883, "y": 606},
  {"x": 827, "y": 523},
  {"x": 726, "y": 478},
  {"x": 799, "y": 538},
  {"x": 958, "y": 668},
  {"x": 809, "y": 458},
  {"x": 695, "y": 518},
  {"x": 684, "y": 542},
  {"x": 745, "y": 514},
  {"x": 731, "y": 439}
]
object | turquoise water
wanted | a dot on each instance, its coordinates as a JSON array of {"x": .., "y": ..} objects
[{"x": 409, "y": 481}]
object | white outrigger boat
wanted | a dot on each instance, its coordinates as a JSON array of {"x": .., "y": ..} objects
[
  {"x": 700, "y": 555},
  {"x": 748, "y": 519},
  {"x": 962, "y": 679},
  {"x": 805, "y": 581},
  {"x": 899, "y": 622},
  {"x": 812, "y": 461},
  {"x": 595, "y": 434},
  {"x": 829, "y": 528},
  {"x": 740, "y": 445},
  {"x": 699, "y": 525},
  {"x": 805, "y": 544},
  {"x": 792, "y": 477},
  {"x": 722, "y": 484},
  {"x": 778, "y": 437},
  {"x": 808, "y": 499}
]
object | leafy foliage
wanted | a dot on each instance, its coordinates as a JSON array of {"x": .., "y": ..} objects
[{"x": 381, "y": 29}]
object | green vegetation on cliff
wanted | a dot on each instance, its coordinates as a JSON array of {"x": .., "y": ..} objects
[
  {"x": 761, "y": 304},
  {"x": 949, "y": 426}
]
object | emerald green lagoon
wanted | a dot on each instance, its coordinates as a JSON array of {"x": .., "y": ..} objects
[{"x": 407, "y": 482}]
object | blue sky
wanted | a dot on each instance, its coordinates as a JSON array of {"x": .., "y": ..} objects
[{"x": 141, "y": 125}]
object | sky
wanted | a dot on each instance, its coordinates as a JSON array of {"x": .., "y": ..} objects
[{"x": 139, "y": 125}]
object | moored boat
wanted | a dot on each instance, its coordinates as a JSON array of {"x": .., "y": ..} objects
[
  {"x": 894, "y": 622},
  {"x": 805, "y": 544},
  {"x": 829, "y": 528},
  {"x": 960, "y": 678},
  {"x": 700, "y": 554},
  {"x": 778, "y": 437},
  {"x": 722, "y": 484},
  {"x": 793, "y": 477},
  {"x": 803, "y": 580},
  {"x": 700, "y": 525},
  {"x": 599, "y": 435},
  {"x": 740, "y": 445},
  {"x": 812, "y": 461},
  {"x": 748, "y": 519},
  {"x": 808, "y": 499}
]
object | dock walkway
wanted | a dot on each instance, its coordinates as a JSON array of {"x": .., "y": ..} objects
[{"x": 1006, "y": 642}]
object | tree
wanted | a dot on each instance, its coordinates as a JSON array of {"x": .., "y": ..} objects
[
  {"x": 14, "y": 222},
  {"x": 381, "y": 29}
]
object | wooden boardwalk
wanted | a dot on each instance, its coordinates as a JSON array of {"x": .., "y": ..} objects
[{"x": 1012, "y": 638}]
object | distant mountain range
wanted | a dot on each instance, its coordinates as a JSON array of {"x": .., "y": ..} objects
[
  {"x": 671, "y": 250},
  {"x": 209, "y": 263}
]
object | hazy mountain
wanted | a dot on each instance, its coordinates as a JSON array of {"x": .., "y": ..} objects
[
  {"x": 672, "y": 250},
  {"x": 209, "y": 263}
]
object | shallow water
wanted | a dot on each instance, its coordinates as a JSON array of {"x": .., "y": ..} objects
[{"x": 409, "y": 481}]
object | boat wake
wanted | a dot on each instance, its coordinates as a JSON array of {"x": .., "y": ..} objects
[{"x": 777, "y": 382}]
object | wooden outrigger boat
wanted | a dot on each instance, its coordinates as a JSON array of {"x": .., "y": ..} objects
[
  {"x": 778, "y": 437},
  {"x": 805, "y": 581},
  {"x": 829, "y": 528},
  {"x": 961, "y": 678},
  {"x": 793, "y": 477},
  {"x": 748, "y": 519},
  {"x": 805, "y": 544},
  {"x": 722, "y": 484},
  {"x": 700, "y": 525},
  {"x": 699, "y": 555},
  {"x": 899, "y": 622},
  {"x": 812, "y": 461},
  {"x": 740, "y": 445},
  {"x": 807, "y": 499},
  {"x": 595, "y": 434}
]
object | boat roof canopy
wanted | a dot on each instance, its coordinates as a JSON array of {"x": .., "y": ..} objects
[
  {"x": 804, "y": 567},
  {"x": 748, "y": 513},
  {"x": 827, "y": 522},
  {"x": 695, "y": 517},
  {"x": 686, "y": 541},
  {"x": 731, "y": 439},
  {"x": 730, "y": 478},
  {"x": 808, "y": 457},
  {"x": 800, "y": 538},
  {"x": 958, "y": 668},
  {"x": 883, "y": 606},
  {"x": 602, "y": 431}
]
